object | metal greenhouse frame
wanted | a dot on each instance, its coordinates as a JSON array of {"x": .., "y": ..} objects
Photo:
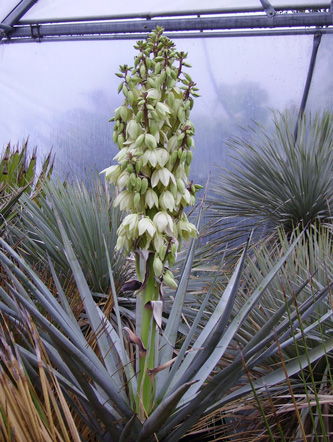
[{"x": 265, "y": 19}]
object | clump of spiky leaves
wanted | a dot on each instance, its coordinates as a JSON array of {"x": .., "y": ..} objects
[
  {"x": 190, "y": 380},
  {"x": 90, "y": 225},
  {"x": 306, "y": 272},
  {"x": 18, "y": 169},
  {"x": 31, "y": 408},
  {"x": 17, "y": 176},
  {"x": 276, "y": 180}
]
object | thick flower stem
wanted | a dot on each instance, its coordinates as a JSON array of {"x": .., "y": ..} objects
[{"x": 148, "y": 336}]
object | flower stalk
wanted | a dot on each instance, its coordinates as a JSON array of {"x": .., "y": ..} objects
[{"x": 154, "y": 135}]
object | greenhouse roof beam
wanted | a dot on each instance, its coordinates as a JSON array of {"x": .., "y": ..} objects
[
  {"x": 219, "y": 34},
  {"x": 105, "y": 29}
]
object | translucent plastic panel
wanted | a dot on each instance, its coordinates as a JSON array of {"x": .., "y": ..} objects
[
  {"x": 86, "y": 8},
  {"x": 6, "y": 7},
  {"x": 62, "y": 95},
  {"x": 321, "y": 91}
]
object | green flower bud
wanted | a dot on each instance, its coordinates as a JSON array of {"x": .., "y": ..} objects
[
  {"x": 171, "y": 259},
  {"x": 130, "y": 98},
  {"x": 189, "y": 156},
  {"x": 181, "y": 115},
  {"x": 157, "y": 266},
  {"x": 138, "y": 184},
  {"x": 181, "y": 185},
  {"x": 183, "y": 156},
  {"x": 139, "y": 141},
  {"x": 150, "y": 141},
  {"x": 173, "y": 158},
  {"x": 142, "y": 70},
  {"x": 123, "y": 113},
  {"x": 133, "y": 179},
  {"x": 139, "y": 117},
  {"x": 137, "y": 199},
  {"x": 120, "y": 141},
  {"x": 138, "y": 166},
  {"x": 169, "y": 280},
  {"x": 144, "y": 186},
  {"x": 173, "y": 249},
  {"x": 162, "y": 251},
  {"x": 173, "y": 189},
  {"x": 125, "y": 90}
]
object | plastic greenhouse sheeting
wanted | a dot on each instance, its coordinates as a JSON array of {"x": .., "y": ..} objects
[{"x": 61, "y": 95}]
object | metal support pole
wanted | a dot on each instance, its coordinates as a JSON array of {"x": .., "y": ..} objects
[
  {"x": 270, "y": 11},
  {"x": 315, "y": 47},
  {"x": 18, "y": 12}
]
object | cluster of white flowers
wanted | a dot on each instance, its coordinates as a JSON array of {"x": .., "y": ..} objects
[{"x": 155, "y": 137}]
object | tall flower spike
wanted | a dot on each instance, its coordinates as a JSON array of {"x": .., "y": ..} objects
[{"x": 154, "y": 135}]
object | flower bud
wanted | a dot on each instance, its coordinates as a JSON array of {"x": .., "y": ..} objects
[
  {"x": 139, "y": 141},
  {"x": 162, "y": 251},
  {"x": 168, "y": 279},
  {"x": 150, "y": 141},
  {"x": 158, "y": 266},
  {"x": 144, "y": 186},
  {"x": 181, "y": 185},
  {"x": 137, "y": 199}
]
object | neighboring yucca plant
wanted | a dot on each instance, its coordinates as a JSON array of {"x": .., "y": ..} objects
[
  {"x": 18, "y": 169},
  {"x": 18, "y": 176},
  {"x": 275, "y": 181},
  {"x": 90, "y": 224}
]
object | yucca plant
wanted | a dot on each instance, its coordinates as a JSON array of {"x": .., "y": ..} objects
[
  {"x": 311, "y": 261},
  {"x": 189, "y": 384},
  {"x": 275, "y": 180},
  {"x": 89, "y": 223},
  {"x": 17, "y": 176}
]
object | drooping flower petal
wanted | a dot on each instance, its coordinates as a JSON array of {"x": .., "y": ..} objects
[
  {"x": 167, "y": 201},
  {"x": 151, "y": 198},
  {"x": 162, "y": 221},
  {"x": 146, "y": 225}
]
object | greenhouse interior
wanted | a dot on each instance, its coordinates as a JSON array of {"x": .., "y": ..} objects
[{"x": 166, "y": 221}]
